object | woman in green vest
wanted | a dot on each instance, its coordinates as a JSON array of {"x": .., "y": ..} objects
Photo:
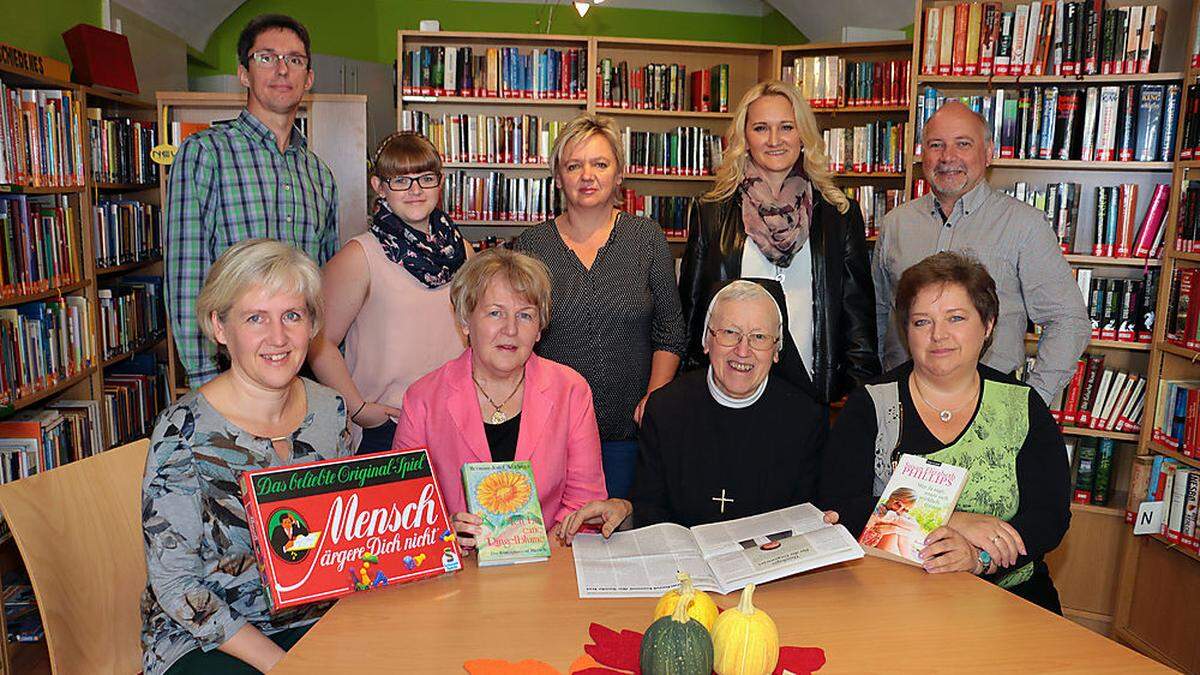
[{"x": 947, "y": 406}]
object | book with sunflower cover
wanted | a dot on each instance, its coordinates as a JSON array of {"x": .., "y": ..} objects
[{"x": 503, "y": 494}]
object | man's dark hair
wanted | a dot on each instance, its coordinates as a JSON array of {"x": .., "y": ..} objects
[{"x": 265, "y": 22}]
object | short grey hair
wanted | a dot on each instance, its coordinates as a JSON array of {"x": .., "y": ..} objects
[
  {"x": 259, "y": 263},
  {"x": 741, "y": 290},
  {"x": 984, "y": 127}
]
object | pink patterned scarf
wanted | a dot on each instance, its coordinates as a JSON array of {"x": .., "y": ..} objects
[{"x": 778, "y": 224}]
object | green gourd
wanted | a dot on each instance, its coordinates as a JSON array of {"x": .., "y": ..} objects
[{"x": 677, "y": 644}]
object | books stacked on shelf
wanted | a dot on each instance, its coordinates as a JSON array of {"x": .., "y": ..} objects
[
  {"x": 39, "y": 244},
  {"x": 872, "y": 147},
  {"x": 1114, "y": 217},
  {"x": 667, "y": 210},
  {"x": 507, "y": 139},
  {"x": 42, "y": 344},
  {"x": 39, "y": 440},
  {"x": 686, "y": 151},
  {"x": 1175, "y": 420},
  {"x": 41, "y": 144},
  {"x": 486, "y": 243},
  {"x": 1177, "y": 486},
  {"x": 1041, "y": 38},
  {"x": 135, "y": 391},
  {"x": 494, "y": 196},
  {"x": 495, "y": 72},
  {"x": 21, "y": 616},
  {"x": 125, "y": 231},
  {"x": 1187, "y": 230},
  {"x": 662, "y": 86},
  {"x": 834, "y": 82},
  {"x": 1126, "y": 123},
  {"x": 874, "y": 202},
  {"x": 131, "y": 315},
  {"x": 1101, "y": 398},
  {"x": 1183, "y": 310},
  {"x": 1121, "y": 309},
  {"x": 181, "y": 130},
  {"x": 1093, "y": 470},
  {"x": 121, "y": 149}
]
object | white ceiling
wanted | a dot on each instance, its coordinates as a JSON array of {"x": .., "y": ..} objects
[{"x": 820, "y": 20}]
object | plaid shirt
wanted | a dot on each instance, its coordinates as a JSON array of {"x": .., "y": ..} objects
[{"x": 229, "y": 183}]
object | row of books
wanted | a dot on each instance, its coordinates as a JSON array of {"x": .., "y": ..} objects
[
  {"x": 507, "y": 139},
  {"x": 132, "y": 315},
  {"x": 662, "y": 86},
  {"x": 33, "y": 441},
  {"x": 684, "y": 151},
  {"x": 872, "y": 147},
  {"x": 1176, "y": 419},
  {"x": 41, "y": 143},
  {"x": 1101, "y": 398},
  {"x": 1093, "y": 469},
  {"x": 121, "y": 148},
  {"x": 669, "y": 211},
  {"x": 125, "y": 231},
  {"x": 135, "y": 392},
  {"x": 1121, "y": 309},
  {"x": 1189, "y": 143},
  {"x": 494, "y": 196},
  {"x": 42, "y": 344},
  {"x": 39, "y": 249},
  {"x": 1041, "y": 38},
  {"x": 1187, "y": 229},
  {"x": 1177, "y": 486},
  {"x": 1183, "y": 309},
  {"x": 1113, "y": 218},
  {"x": 833, "y": 82},
  {"x": 498, "y": 72},
  {"x": 1112, "y": 123},
  {"x": 874, "y": 202}
]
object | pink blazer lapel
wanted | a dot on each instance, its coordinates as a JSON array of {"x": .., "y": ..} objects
[
  {"x": 537, "y": 410},
  {"x": 463, "y": 406}
]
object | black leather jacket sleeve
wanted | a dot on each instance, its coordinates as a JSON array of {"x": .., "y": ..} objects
[
  {"x": 860, "y": 347},
  {"x": 696, "y": 276}
]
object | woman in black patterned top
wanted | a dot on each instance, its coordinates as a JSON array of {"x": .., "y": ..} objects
[
  {"x": 617, "y": 317},
  {"x": 204, "y": 609}
]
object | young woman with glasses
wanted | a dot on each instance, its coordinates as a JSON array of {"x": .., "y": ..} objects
[{"x": 388, "y": 293}]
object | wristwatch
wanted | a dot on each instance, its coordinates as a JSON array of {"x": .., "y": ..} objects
[{"x": 985, "y": 559}]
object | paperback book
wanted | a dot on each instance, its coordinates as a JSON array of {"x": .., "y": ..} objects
[
  {"x": 918, "y": 499},
  {"x": 326, "y": 529},
  {"x": 504, "y": 495}
]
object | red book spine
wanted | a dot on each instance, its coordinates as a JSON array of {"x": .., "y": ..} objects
[
  {"x": 1155, "y": 216},
  {"x": 962, "y": 14},
  {"x": 1071, "y": 402}
]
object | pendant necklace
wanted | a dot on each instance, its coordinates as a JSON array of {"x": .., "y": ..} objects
[
  {"x": 944, "y": 414},
  {"x": 499, "y": 417}
]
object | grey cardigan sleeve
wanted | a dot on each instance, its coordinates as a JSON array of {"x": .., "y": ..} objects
[
  {"x": 1053, "y": 301},
  {"x": 883, "y": 287}
]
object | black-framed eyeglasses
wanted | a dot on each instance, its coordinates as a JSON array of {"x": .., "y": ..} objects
[
  {"x": 403, "y": 183},
  {"x": 268, "y": 59},
  {"x": 729, "y": 337}
]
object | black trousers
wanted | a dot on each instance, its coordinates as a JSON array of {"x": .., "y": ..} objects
[{"x": 200, "y": 662}]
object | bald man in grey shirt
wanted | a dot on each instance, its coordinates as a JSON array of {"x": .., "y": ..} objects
[{"x": 1013, "y": 240}]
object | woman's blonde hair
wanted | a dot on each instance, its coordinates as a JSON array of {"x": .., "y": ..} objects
[
  {"x": 816, "y": 162},
  {"x": 259, "y": 263},
  {"x": 583, "y": 127},
  {"x": 528, "y": 277}
]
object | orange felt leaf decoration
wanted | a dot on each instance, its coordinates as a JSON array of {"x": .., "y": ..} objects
[{"x": 501, "y": 667}]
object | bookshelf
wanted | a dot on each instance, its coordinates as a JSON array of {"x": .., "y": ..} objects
[
  {"x": 1091, "y": 561},
  {"x": 870, "y": 188},
  {"x": 748, "y": 64},
  {"x": 1159, "y": 587},
  {"x": 336, "y": 131}
]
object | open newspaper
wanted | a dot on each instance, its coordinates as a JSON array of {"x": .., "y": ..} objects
[{"x": 720, "y": 557}]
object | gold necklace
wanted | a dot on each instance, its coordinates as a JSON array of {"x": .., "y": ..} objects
[
  {"x": 499, "y": 417},
  {"x": 944, "y": 414}
]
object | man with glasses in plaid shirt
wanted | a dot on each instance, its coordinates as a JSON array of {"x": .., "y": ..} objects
[{"x": 250, "y": 177}]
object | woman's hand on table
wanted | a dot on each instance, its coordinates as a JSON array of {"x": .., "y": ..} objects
[
  {"x": 609, "y": 514},
  {"x": 466, "y": 527},
  {"x": 991, "y": 534},
  {"x": 947, "y": 550}
]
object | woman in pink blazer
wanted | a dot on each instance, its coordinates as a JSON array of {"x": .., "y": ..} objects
[{"x": 499, "y": 401}]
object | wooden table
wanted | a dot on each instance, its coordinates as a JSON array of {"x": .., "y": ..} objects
[{"x": 870, "y": 616}]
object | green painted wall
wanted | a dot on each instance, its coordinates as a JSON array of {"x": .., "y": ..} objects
[
  {"x": 366, "y": 29},
  {"x": 38, "y": 26}
]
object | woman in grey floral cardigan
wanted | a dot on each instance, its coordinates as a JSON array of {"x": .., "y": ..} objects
[{"x": 204, "y": 609}]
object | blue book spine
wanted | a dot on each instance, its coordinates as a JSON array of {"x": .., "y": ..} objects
[
  {"x": 1155, "y": 477},
  {"x": 1149, "y": 115},
  {"x": 1170, "y": 119}
]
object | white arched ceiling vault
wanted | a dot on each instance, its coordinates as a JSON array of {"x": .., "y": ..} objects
[{"x": 820, "y": 20}]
